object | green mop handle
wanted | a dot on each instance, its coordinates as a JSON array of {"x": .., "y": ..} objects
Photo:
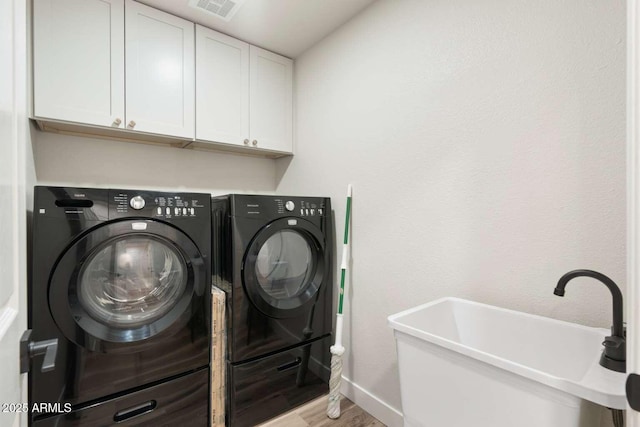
[{"x": 343, "y": 268}]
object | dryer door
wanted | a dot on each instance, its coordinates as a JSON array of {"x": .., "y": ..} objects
[
  {"x": 125, "y": 282},
  {"x": 283, "y": 267}
]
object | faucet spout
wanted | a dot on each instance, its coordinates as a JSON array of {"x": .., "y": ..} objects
[{"x": 614, "y": 355}]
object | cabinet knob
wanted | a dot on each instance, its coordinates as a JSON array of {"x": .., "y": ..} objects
[
  {"x": 254, "y": 142},
  {"x": 246, "y": 142},
  {"x": 131, "y": 124},
  {"x": 116, "y": 122}
]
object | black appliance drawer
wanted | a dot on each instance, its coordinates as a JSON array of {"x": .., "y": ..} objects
[
  {"x": 181, "y": 401},
  {"x": 267, "y": 387}
]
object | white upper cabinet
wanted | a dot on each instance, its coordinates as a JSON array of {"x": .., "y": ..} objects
[
  {"x": 79, "y": 61},
  {"x": 104, "y": 65},
  {"x": 160, "y": 68},
  {"x": 243, "y": 94},
  {"x": 271, "y": 95},
  {"x": 222, "y": 88}
]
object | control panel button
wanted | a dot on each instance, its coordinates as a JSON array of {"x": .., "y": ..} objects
[
  {"x": 168, "y": 211},
  {"x": 193, "y": 211},
  {"x": 290, "y": 206},
  {"x": 159, "y": 210},
  {"x": 137, "y": 202},
  {"x": 319, "y": 211},
  {"x": 313, "y": 211},
  {"x": 184, "y": 211},
  {"x": 176, "y": 211}
]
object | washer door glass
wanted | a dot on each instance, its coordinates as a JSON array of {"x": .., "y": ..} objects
[
  {"x": 131, "y": 281},
  {"x": 284, "y": 265}
]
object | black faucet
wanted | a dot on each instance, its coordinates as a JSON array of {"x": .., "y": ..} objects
[{"x": 614, "y": 355}]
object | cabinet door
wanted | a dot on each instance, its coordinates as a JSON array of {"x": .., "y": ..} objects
[
  {"x": 160, "y": 72},
  {"x": 271, "y": 95},
  {"x": 222, "y": 88},
  {"x": 78, "y": 60}
]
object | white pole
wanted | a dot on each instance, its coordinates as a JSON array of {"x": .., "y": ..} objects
[{"x": 337, "y": 350}]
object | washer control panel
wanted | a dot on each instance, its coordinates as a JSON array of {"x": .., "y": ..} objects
[
  {"x": 157, "y": 205},
  {"x": 102, "y": 204}
]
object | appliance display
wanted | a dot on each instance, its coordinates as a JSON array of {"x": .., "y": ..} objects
[
  {"x": 120, "y": 280},
  {"x": 272, "y": 256}
]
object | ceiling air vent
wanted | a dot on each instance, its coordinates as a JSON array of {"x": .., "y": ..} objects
[{"x": 223, "y": 9}]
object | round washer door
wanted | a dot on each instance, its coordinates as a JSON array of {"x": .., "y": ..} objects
[
  {"x": 124, "y": 282},
  {"x": 283, "y": 267}
]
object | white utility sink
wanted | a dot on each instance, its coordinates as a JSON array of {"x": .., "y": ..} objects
[{"x": 481, "y": 361}]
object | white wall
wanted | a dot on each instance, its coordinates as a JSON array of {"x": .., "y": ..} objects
[
  {"x": 79, "y": 161},
  {"x": 485, "y": 141}
]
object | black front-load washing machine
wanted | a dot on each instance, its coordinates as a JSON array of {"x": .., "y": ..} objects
[
  {"x": 272, "y": 257},
  {"x": 120, "y": 281}
]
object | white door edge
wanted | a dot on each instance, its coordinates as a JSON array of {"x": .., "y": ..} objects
[
  {"x": 633, "y": 199},
  {"x": 7, "y": 316}
]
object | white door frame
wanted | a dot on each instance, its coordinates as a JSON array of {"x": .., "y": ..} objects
[
  {"x": 13, "y": 141},
  {"x": 633, "y": 198}
]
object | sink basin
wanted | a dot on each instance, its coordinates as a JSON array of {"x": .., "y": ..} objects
[{"x": 541, "y": 363}]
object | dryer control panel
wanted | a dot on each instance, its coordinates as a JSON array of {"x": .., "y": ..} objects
[
  {"x": 276, "y": 206},
  {"x": 301, "y": 206}
]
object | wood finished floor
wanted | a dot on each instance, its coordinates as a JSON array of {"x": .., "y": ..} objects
[{"x": 314, "y": 414}]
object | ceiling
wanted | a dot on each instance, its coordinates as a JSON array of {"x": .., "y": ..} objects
[{"x": 287, "y": 27}]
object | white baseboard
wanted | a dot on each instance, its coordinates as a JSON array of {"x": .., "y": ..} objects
[{"x": 387, "y": 414}]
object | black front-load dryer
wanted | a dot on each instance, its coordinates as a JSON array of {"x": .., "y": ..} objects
[
  {"x": 121, "y": 279},
  {"x": 272, "y": 257}
]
